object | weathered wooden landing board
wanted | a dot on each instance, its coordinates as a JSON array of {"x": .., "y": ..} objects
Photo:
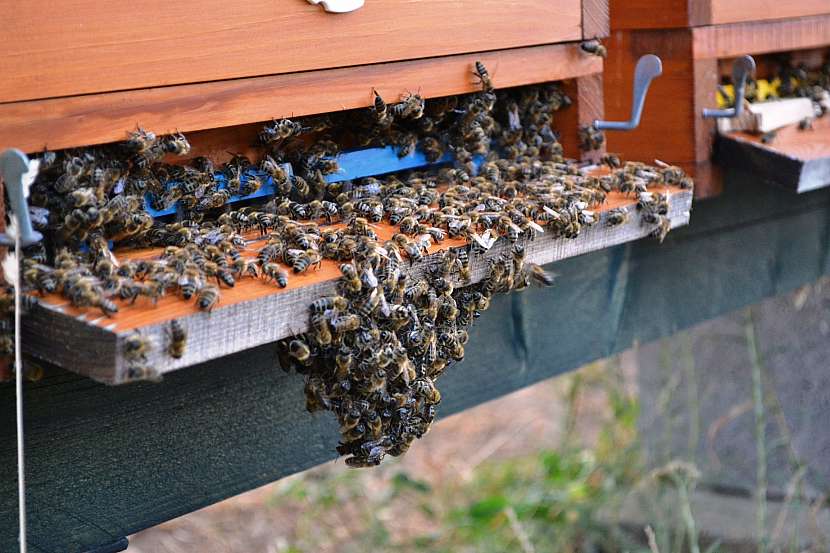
[
  {"x": 795, "y": 159},
  {"x": 103, "y": 462},
  {"x": 255, "y": 312}
]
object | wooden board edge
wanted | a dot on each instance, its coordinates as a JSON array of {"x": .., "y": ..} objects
[
  {"x": 760, "y": 37},
  {"x": 100, "y": 118},
  {"x": 768, "y": 164},
  {"x": 93, "y": 351},
  {"x": 596, "y": 19}
]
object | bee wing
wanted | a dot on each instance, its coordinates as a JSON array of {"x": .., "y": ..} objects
[
  {"x": 553, "y": 213},
  {"x": 535, "y": 226},
  {"x": 513, "y": 119},
  {"x": 480, "y": 240}
]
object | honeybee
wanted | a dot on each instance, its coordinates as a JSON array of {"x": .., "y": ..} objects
[
  {"x": 190, "y": 281},
  {"x": 136, "y": 347},
  {"x": 616, "y": 216},
  {"x": 336, "y": 303},
  {"x": 406, "y": 142},
  {"x": 142, "y": 372},
  {"x": 410, "y": 107},
  {"x": 612, "y": 160},
  {"x": 178, "y": 339},
  {"x": 176, "y": 144},
  {"x": 383, "y": 118},
  {"x": 299, "y": 350},
  {"x": 301, "y": 260},
  {"x": 141, "y": 140},
  {"x": 274, "y": 273},
  {"x": 208, "y": 297},
  {"x": 280, "y": 130},
  {"x": 594, "y": 47},
  {"x": 242, "y": 266},
  {"x": 345, "y": 323},
  {"x": 250, "y": 185},
  {"x": 301, "y": 186},
  {"x": 278, "y": 174},
  {"x": 590, "y": 138},
  {"x": 539, "y": 275},
  {"x": 351, "y": 278},
  {"x": 432, "y": 148},
  {"x": 769, "y": 137},
  {"x": 320, "y": 329},
  {"x": 483, "y": 76}
]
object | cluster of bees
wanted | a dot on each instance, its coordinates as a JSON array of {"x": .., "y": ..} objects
[
  {"x": 401, "y": 316},
  {"x": 791, "y": 80}
]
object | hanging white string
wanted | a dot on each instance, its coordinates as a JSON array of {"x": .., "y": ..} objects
[
  {"x": 11, "y": 271},
  {"x": 18, "y": 369}
]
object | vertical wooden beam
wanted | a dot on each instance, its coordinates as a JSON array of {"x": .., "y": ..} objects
[
  {"x": 708, "y": 181},
  {"x": 699, "y": 12},
  {"x": 596, "y": 19},
  {"x": 586, "y": 93},
  {"x": 666, "y": 130},
  {"x": 650, "y": 14},
  {"x": 5, "y": 362},
  {"x": 705, "y": 74}
]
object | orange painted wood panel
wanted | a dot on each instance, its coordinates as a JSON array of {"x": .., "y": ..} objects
[
  {"x": 596, "y": 20},
  {"x": 144, "y": 312},
  {"x": 667, "y": 14},
  {"x": 100, "y": 118},
  {"x": 732, "y": 11},
  {"x": 649, "y": 14},
  {"x": 667, "y": 127},
  {"x": 76, "y": 47},
  {"x": 735, "y": 39},
  {"x": 790, "y": 141}
]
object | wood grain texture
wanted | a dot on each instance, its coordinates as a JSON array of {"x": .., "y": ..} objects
[
  {"x": 587, "y": 95},
  {"x": 666, "y": 14},
  {"x": 254, "y": 313},
  {"x": 667, "y": 128},
  {"x": 649, "y": 14},
  {"x": 596, "y": 19},
  {"x": 83, "y": 46},
  {"x": 94, "y": 119},
  {"x": 730, "y": 11},
  {"x": 104, "y": 462},
  {"x": 709, "y": 179},
  {"x": 797, "y": 160},
  {"x": 705, "y": 75},
  {"x": 735, "y": 39}
]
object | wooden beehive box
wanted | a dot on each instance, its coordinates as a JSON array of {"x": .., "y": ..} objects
[
  {"x": 186, "y": 68},
  {"x": 697, "y": 40},
  {"x": 88, "y": 73}
]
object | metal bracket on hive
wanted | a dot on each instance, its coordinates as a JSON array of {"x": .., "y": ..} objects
[
  {"x": 14, "y": 166},
  {"x": 648, "y": 68},
  {"x": 339, "y": 6},
  {"x": 743, "y": 68}
]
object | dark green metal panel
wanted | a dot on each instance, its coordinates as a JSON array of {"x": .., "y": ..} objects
[{"x": 106, "y": 462}]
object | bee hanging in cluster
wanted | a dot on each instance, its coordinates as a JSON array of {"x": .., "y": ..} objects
[{"x": 374, "y": 349}]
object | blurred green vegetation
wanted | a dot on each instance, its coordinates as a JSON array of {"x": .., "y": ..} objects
[{"x": 563, "y": 499}]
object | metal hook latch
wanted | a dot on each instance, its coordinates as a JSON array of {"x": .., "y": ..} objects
[
  {"x": 339, "y": 6},
  {"x": 13, "y": 166},
  {"x": 743, "y": 68},
  {"x": 648, "y": 67}
]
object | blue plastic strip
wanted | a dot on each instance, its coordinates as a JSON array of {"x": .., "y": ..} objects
[
  {"x": 380, "y": 161},
  {"x": 267, "y": 189},
  {"x": 354, "y": 164}
]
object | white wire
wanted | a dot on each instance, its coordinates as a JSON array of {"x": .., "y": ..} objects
[{"x": 18, "y": 370}]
